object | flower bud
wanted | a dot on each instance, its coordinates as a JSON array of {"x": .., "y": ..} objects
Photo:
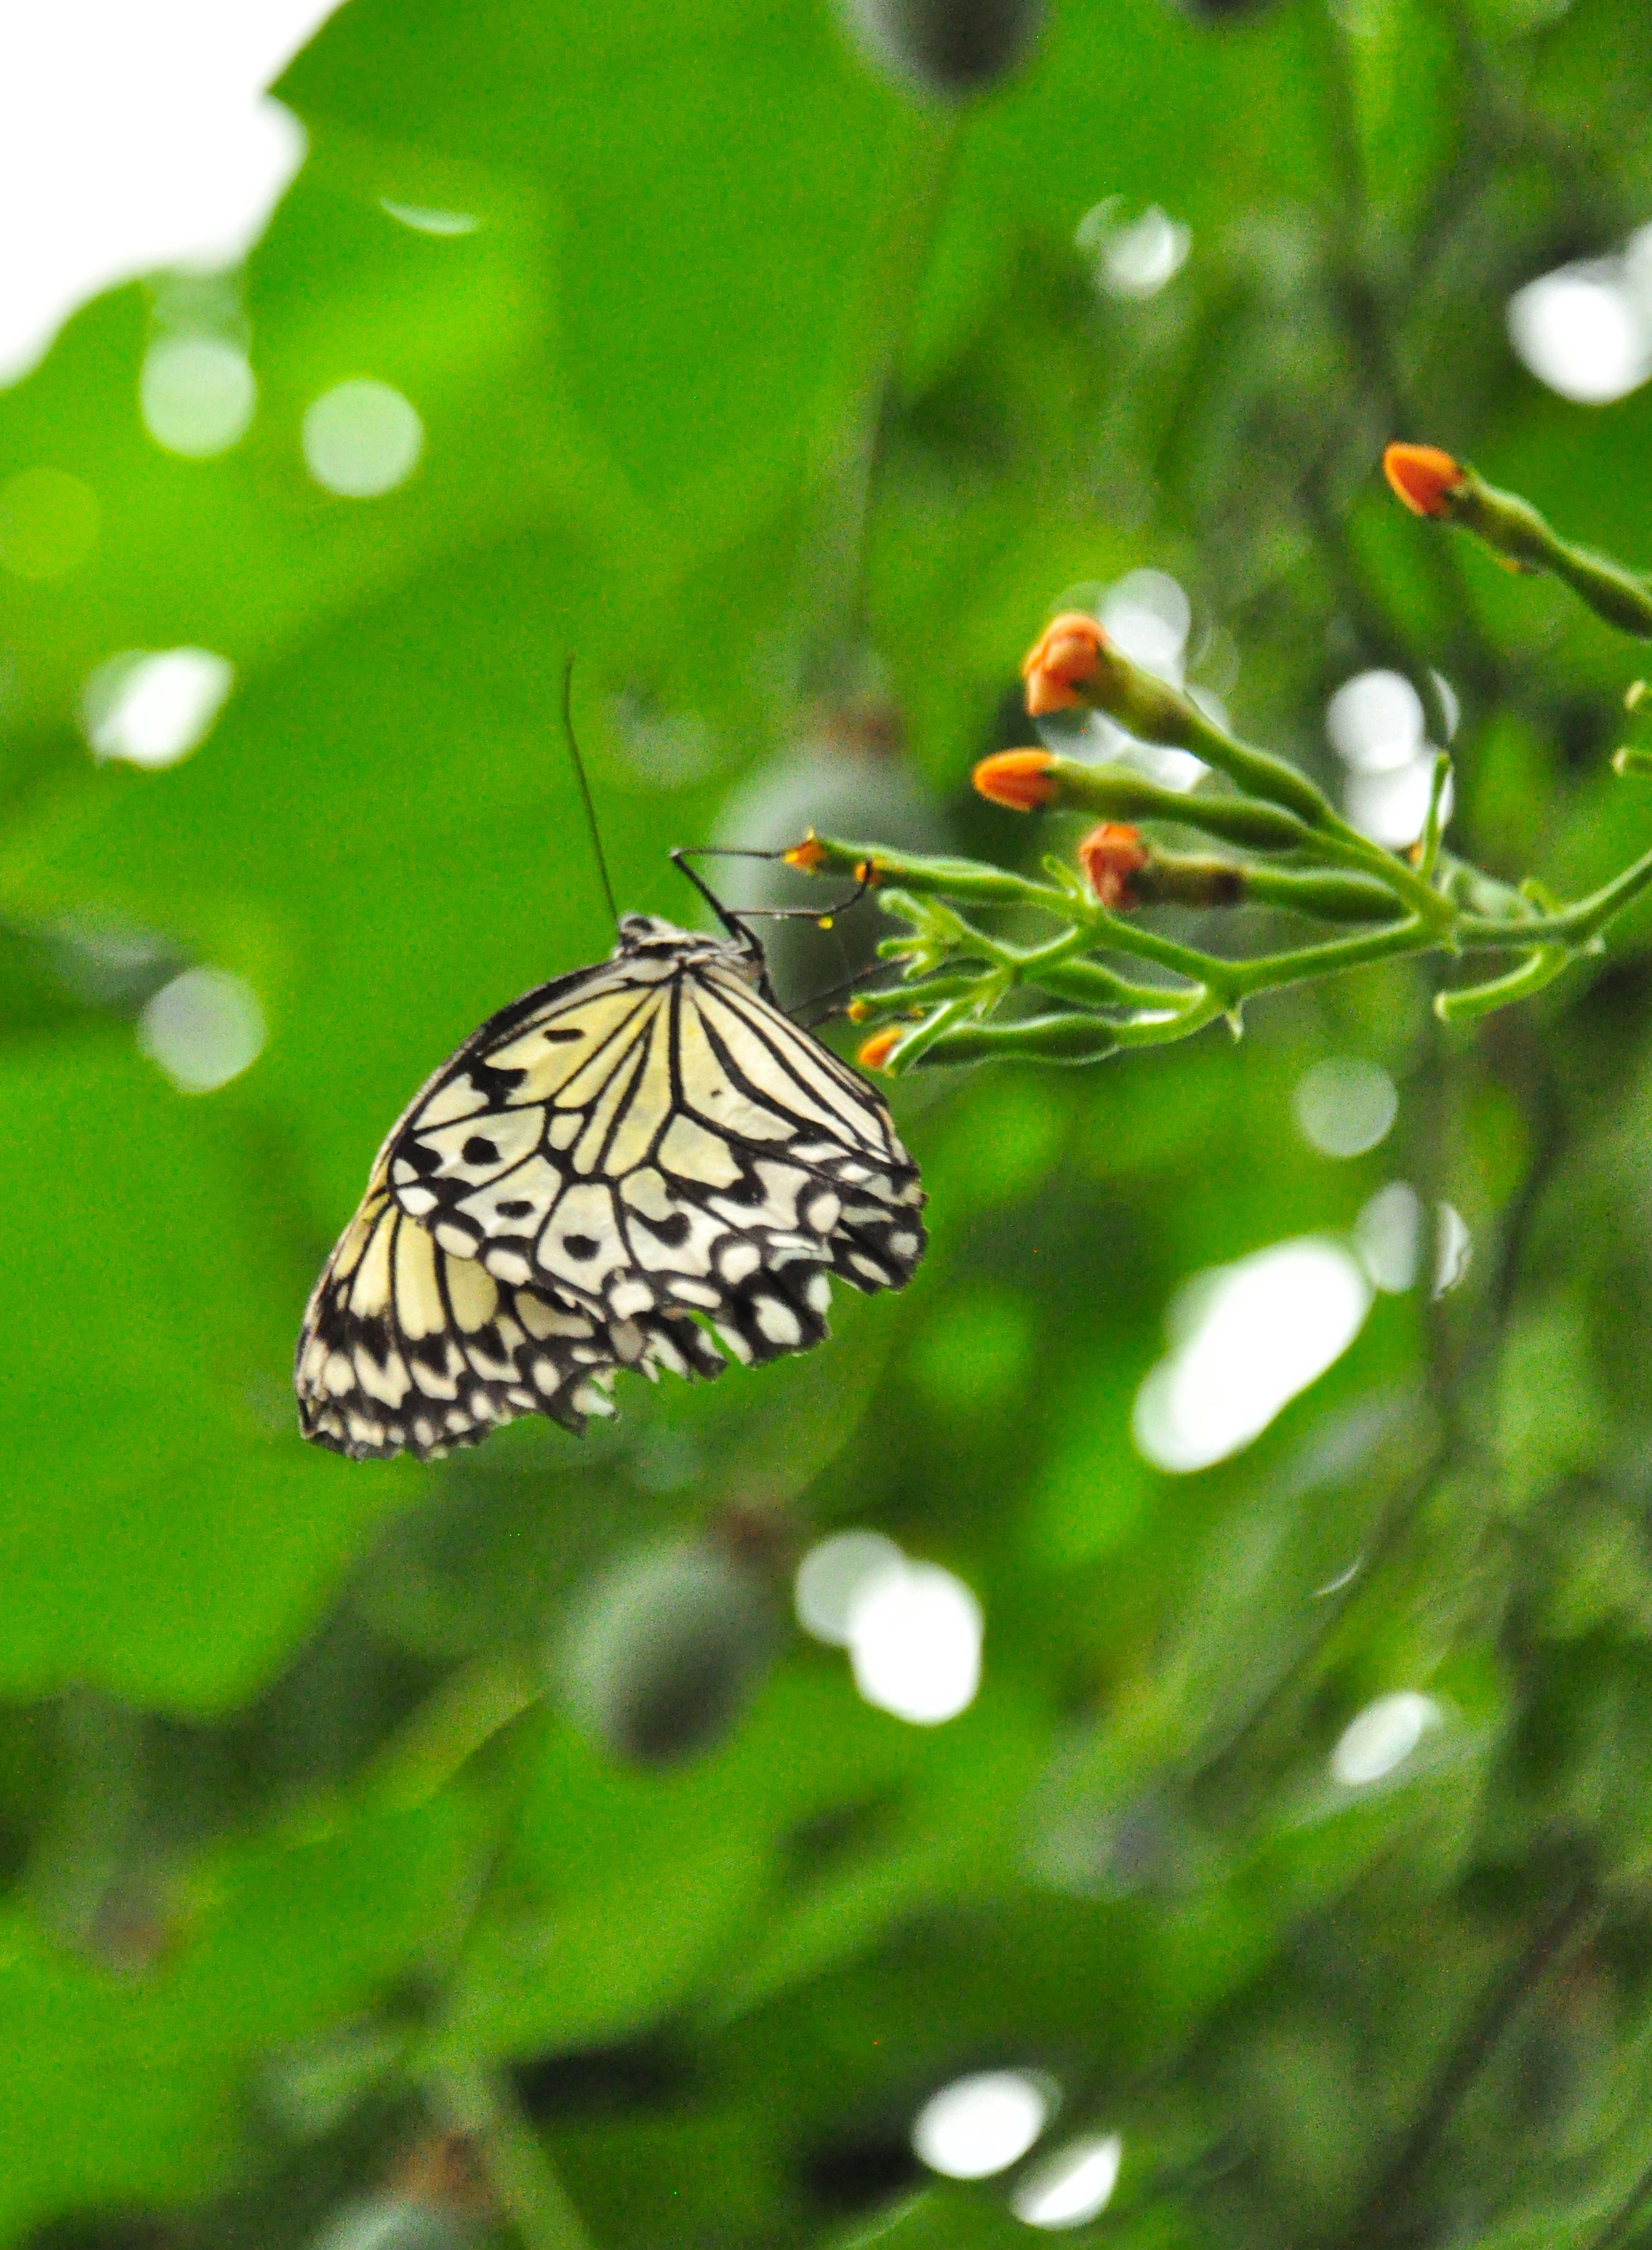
[
  {"x": 874, "y": 1053},
  {"x": 1022, "y": 779},
  {"x": 669, "y": 1648},
  {"x": 1109, "y": 855},
  {"x": 1066, "y": 655},
  {"x": 944, "y": 49},
  {"x": 1423, "y": 476}
]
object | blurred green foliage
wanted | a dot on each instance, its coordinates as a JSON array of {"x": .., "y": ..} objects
[{"x": 791, "y": 406}]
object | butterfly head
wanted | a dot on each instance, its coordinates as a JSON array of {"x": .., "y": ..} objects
[{"x": 650, "y": 937}]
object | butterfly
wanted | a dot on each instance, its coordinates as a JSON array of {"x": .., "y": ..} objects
[{"x": 642, "y": 1164}]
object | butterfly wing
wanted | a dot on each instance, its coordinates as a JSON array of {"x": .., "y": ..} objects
[
  {"x": 654, "y": 1139},
  {"x": 407, "y": 1349}
]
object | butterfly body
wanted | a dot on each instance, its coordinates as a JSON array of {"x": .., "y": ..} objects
[{"x": 614, "y": 1170}]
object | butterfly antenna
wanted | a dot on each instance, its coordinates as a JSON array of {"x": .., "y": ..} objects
[
  {"x": 585, "y": 788},
  {"x": 829, "y": 1002},
  {"x": 822, "y": 917}
]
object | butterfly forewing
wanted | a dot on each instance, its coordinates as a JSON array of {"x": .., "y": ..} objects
[
  {"x": 654, "y": 1139},
  {"x": 406, "y": 1348}
]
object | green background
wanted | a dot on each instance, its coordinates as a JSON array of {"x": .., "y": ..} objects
[{"x": 790, "y": 405}]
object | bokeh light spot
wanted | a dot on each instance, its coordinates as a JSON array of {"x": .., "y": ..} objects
[
  {"x": 152, "y": 710},
  {"x": 914, "y": 1642},
  {"x": 424, "y": 220},
  {"x": 1375, "y": 721},
  {"x": 1387, "y": 1238},
  {"x": 1343, "y": 1106},
  {"x": 1376, "y": 725},
  {"x": 982, "y": 2124},
  {"x": 1133, "y": 259},
  {"x": 48, "y": 523},
  {"x": 1453, "y": 1247},
  {"x": 1073, "y": 2186},
  {"x": 1584, "y": 332},
  {"x": 363, "y": 439},
  {"x": 1382, "y": 1737},
  {"x": 203, "y": 1029},
  {"x": 833, "y": 1574},
  {"x": 197, "y": 394},
  {"x": 1245, "y": 1339}
]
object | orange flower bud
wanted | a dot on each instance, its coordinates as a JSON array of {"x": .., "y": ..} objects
[
  {"x": 1422, "y": 476},
  {"x": 875, "y": 1052},
  {"x": 1066, "y": 653},
  {"x": 1109, "y": 855},
  {"x": 1022, "y": 779},
  {"x": 807, "y": 855}
]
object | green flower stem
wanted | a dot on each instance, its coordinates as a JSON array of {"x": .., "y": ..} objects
[
  {"x": 971, "y": 881},
  {"x": 1154, "y": 712},
  {"x": 1514, "y": 527},
  {"x": 1094, "y": 986},
  {"x": 1117, "y": 794},
  {"x": 1473, "y": 892},
  {"x": 1571, "y": 926},
  {"x": 948, "y": 1016},
  {"x": 1268, "y": 972},
  {"x": 1259, "y": 772},
  {"x": 1056, "y": 968},
  {"x": 905, "y": 999},
  {"x": 1434, "y": 826},
  {"x": 1064, "y": 1039},
  {"x": 1171, "y": 879},
  {"x": 1161, "y": 1026},
  {"x": 1115, "y": 935},
  {"x": 1468, "y": 1003},
  {"x": 1338, "y": 842}
]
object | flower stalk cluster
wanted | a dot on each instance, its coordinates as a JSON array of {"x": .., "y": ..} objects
[{"x": 1064, "y": 969}]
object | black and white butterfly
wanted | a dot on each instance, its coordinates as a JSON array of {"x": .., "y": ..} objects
[{"x": 642, "y": 1164}]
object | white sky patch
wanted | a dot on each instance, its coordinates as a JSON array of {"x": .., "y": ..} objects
[
  {"x": 914, "y": 1642},
  {"x": 1382, "y": 1737},
  {"x": 834, "y": 1574},
  {"x": 363, "y": 439},
  {"x": 152, "y": 710},
  {"x": 203, "y": 1029},
  {"x": 135, "y": 138},
  {"x": 1245, "y": 1339},
  {"x": 981, "y": 2125},
  {"x": 1343, "y": 1106},
  {"x": 1073, "y": 2186}
]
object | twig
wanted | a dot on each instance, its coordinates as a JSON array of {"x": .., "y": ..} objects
[
  {"x": 1382, "y": 2217},
  {"x": 523, "y": 2178}
]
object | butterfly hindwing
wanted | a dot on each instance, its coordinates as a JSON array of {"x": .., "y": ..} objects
[
  {"x": 407, "y": 1349},
  {"x": 653, "y": 1140}
]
